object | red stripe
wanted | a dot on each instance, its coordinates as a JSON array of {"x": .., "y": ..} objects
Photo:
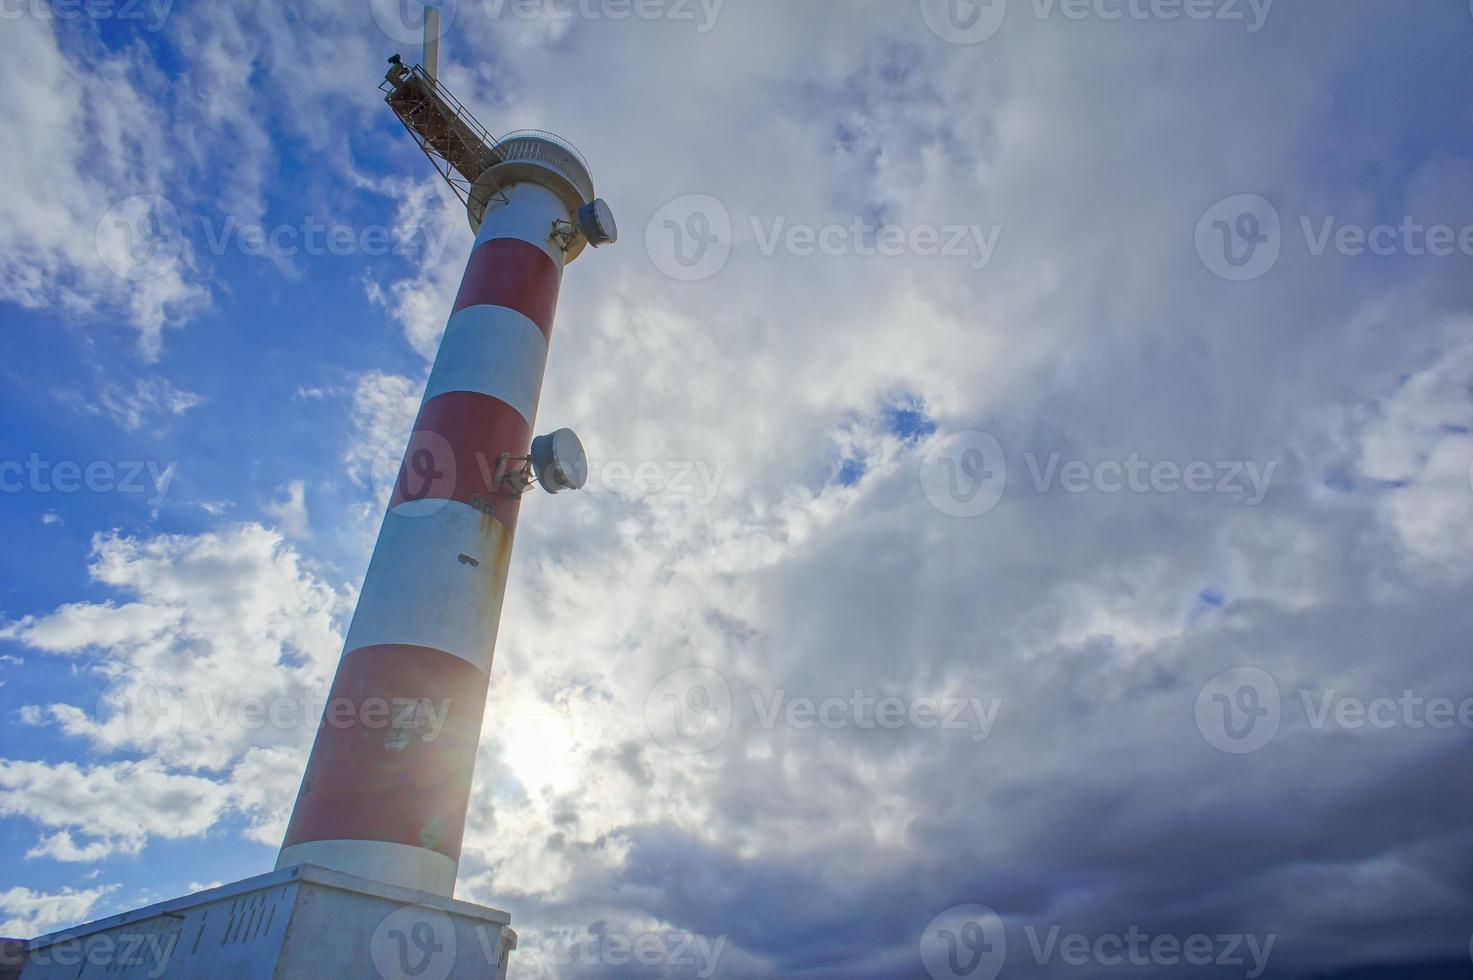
[
  {"x": 368, "y": 781},
  {"x": 453, "y": 453},
  {"x": 515, "y": 274}
]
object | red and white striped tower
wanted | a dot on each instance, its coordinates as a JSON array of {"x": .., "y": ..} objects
[{"x": 386, "y": 788}]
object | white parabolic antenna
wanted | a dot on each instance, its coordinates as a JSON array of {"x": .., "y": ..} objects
[{"x": 559, "y": 461}]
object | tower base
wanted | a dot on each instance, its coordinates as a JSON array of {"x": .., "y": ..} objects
[{"x": 297, "y": 923}]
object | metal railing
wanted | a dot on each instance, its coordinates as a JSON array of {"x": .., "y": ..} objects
[
  {"x": 460, "y": 148},
  {"x": 549, "y": 150}
]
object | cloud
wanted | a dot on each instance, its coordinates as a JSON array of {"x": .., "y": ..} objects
[
  {"x": 118, "y": 806},
  {"x": 93, "y": 143},
  {"x": 149, "y": 401},
  {"x": 290, "y": 510},
  {"x": 223, "y": 624},
  {"x": 816, "y": 567},
  {"x": 384, "y": 408},
  {"x": 34, "y": 913},
  {"x": 1419, "y": 446}
]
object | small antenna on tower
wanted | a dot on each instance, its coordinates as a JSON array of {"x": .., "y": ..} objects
[{"x": 431, "y": 59}]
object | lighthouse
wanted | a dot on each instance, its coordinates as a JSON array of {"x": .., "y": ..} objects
[
  {"x": 387, "y": 801},
  {"x": 365, "y": 878}
]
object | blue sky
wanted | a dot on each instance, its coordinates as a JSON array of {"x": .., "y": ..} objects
[{"x": 1054, "y": 441}]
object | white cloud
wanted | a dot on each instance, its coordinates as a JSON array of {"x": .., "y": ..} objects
[
  {"x": 219, "y": 618},
  {"x": 149, "y": 401},
  {"x": 289, "y": 510},
  {"x": 118, "y": 807},
  {"x": 34, "y": 913},
  {"x": 92, "y": 141},
  {"x": 384, "y": 409},
  {"x": 1420, "y": 442},
  {"x": 1096, "y": 332}
]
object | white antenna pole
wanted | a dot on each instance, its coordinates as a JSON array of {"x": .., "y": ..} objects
[{"x": 431, "y": 59}]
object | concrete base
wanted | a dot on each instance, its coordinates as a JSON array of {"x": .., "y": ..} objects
[{"x": 297, "y": 923}]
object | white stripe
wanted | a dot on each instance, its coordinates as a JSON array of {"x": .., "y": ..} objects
[
  {"x": 418, "y": 868},
  {"x": 529, "y": 213},
  {"x": 495, "y": 351},
  {"x": 421, "y": 591}
]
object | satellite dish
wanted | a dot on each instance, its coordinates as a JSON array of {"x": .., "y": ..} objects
[
  {"x": 596, "y": 221},
  {"x": 559, "y": 461}
]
